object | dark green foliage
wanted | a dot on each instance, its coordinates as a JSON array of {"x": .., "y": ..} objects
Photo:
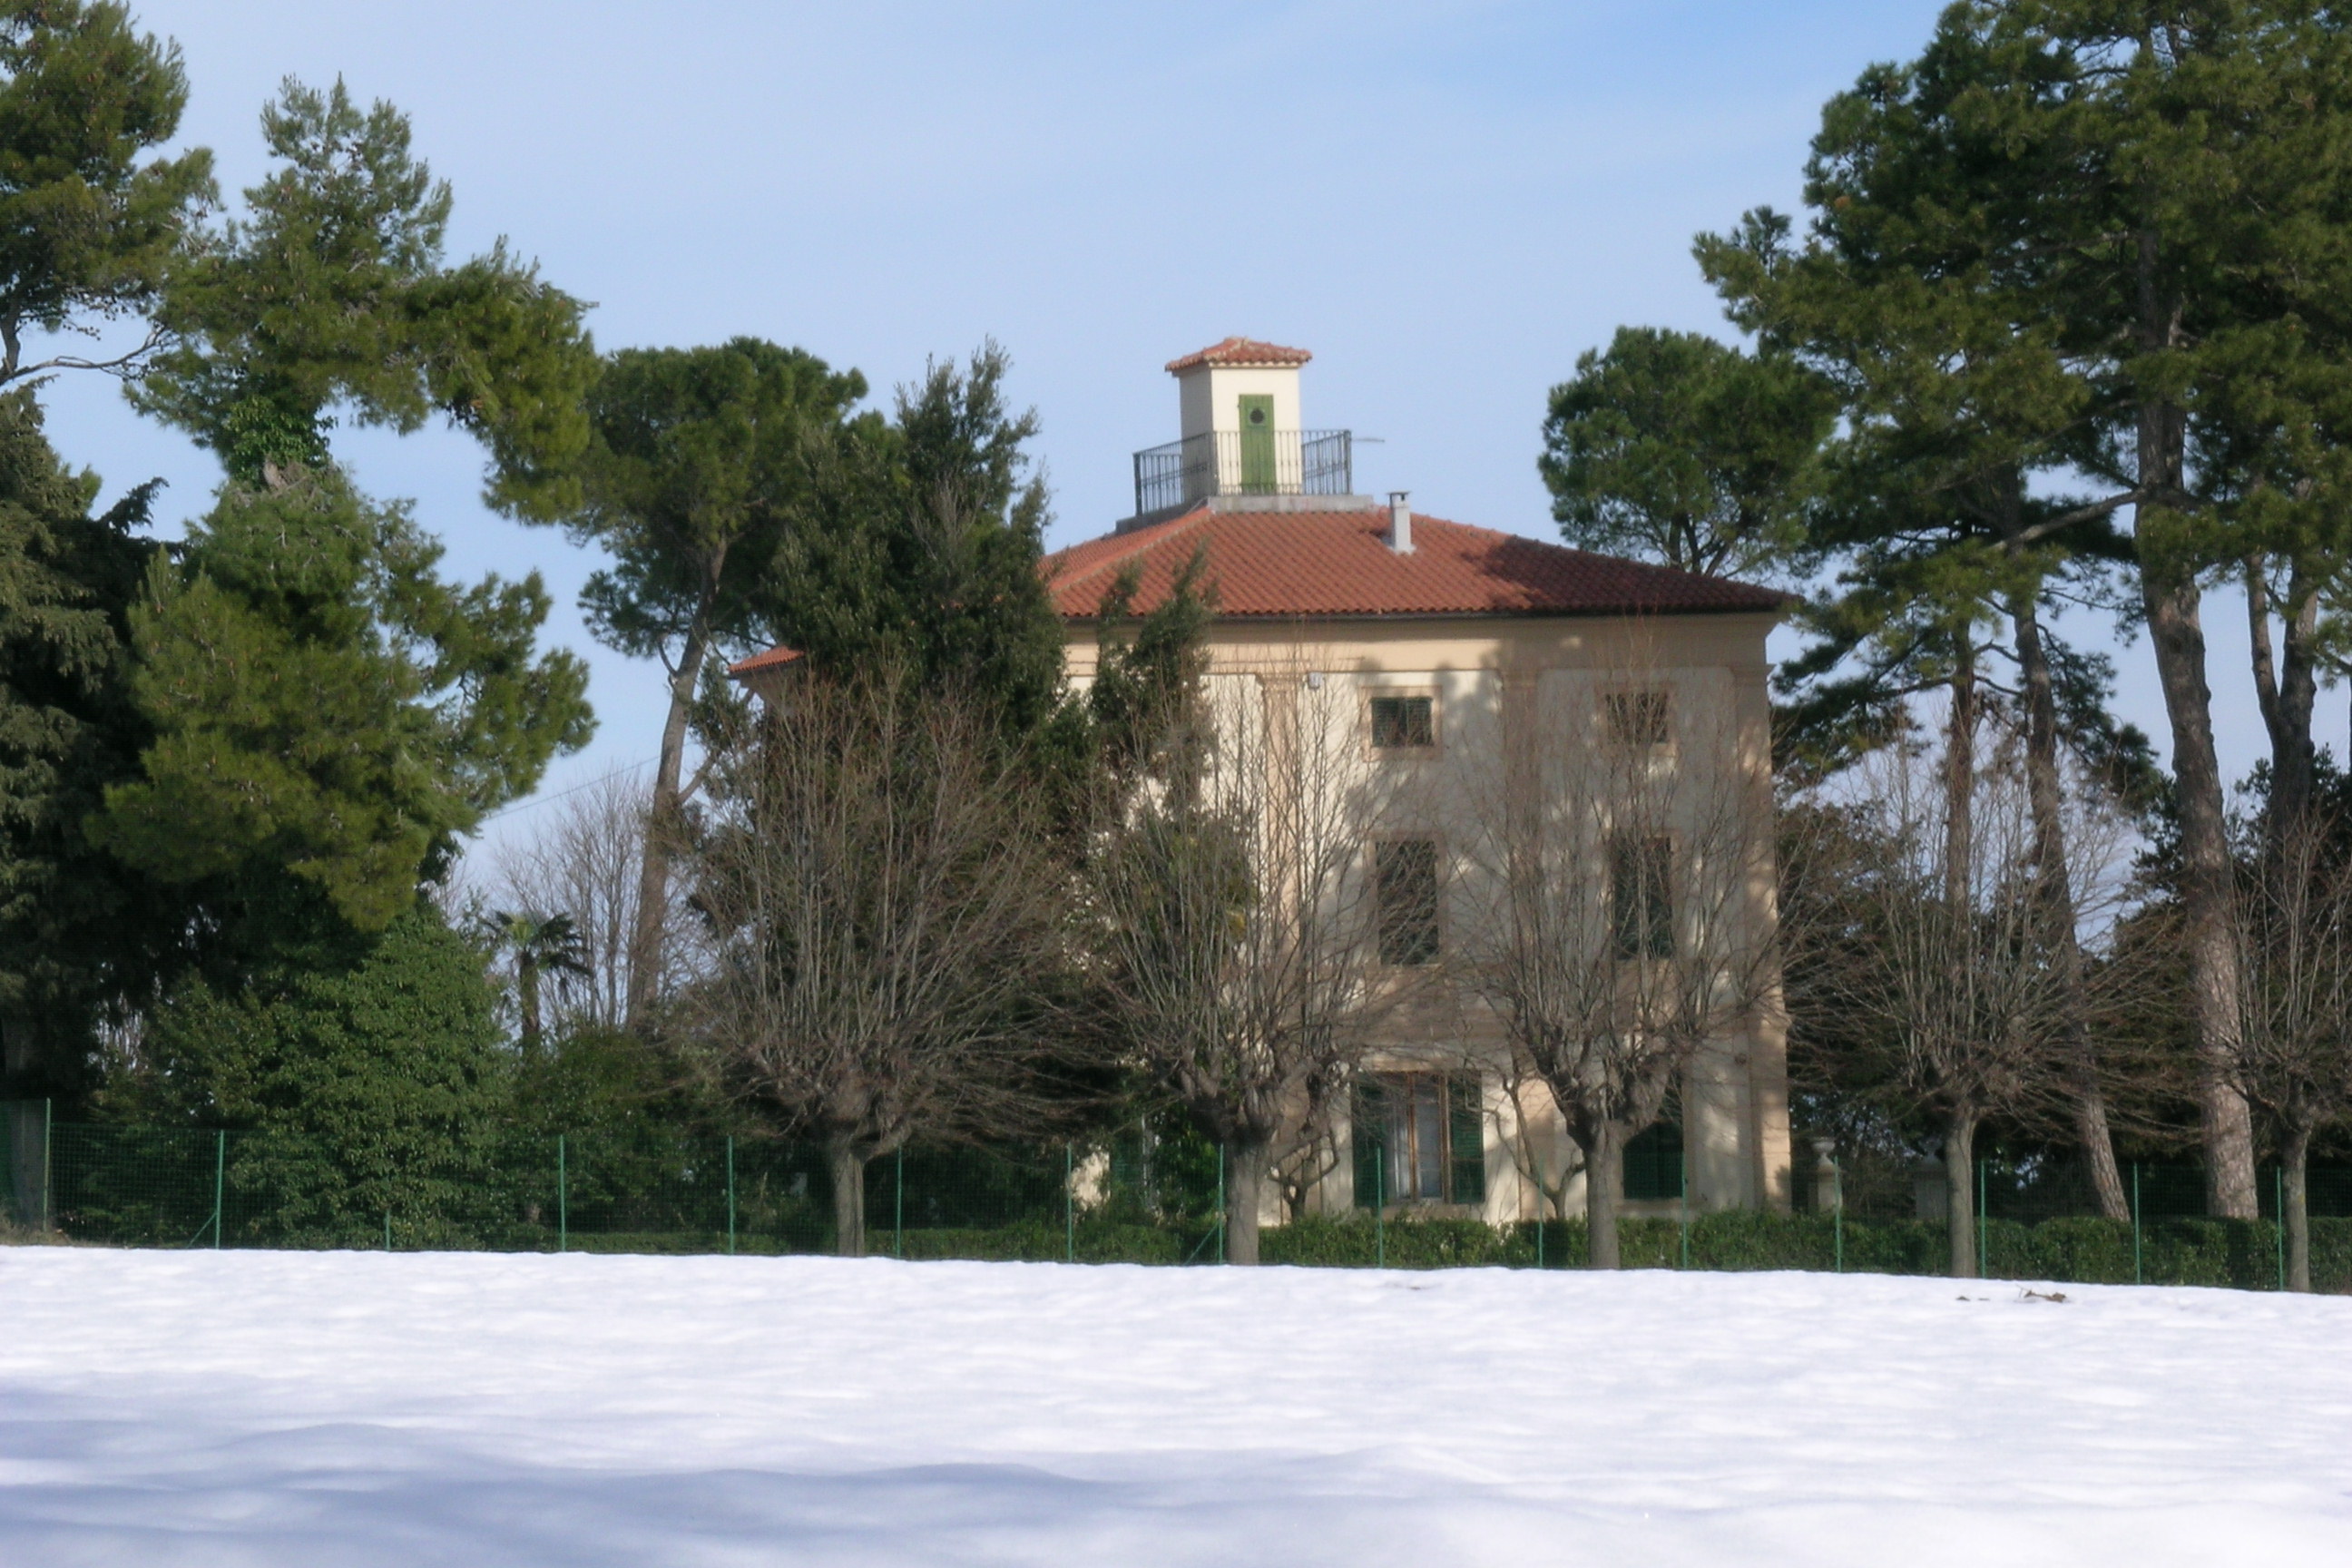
[
  {"x": 920, "y": 548},
  {"x": 1672, "y": 447},
  {"x": 377, "y": 1074},
  {"x": 325, "y": 706},
  {"x": 601, "y": 1083},
  {"x": 333, "y": 293},
  {"x": 1142, "y": 710},
  {"x": 701, "y": 460},
  {"x": 86, "y": 229},
  {"x": 73, "y": 923}
]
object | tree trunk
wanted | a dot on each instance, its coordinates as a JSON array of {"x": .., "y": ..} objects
[
  {"x": 1246, "y": 1165},
  {"x": 1960, "y": 1191},
  {"x": 1960, "y": 776},
  {"x": 2294, "y": 1205},
  {"x": 527, "y": 998},
  {"x": 2170, "y": 594},
  {"x": 2046, "y": 798},
  {"x": 2210, "y": 934},
  {"x": 646, "y": 955},
  {"x": 23, "y": 1069},
  {"x": 2286, "y": 690},
  {"x": 848, "y": 1198},
  {"x": 1604, "y": 1181}
]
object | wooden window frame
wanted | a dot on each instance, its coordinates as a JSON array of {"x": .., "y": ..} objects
[{"x": 1461, "y": 1095}]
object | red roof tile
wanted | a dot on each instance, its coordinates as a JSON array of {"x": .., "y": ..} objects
[
  {"x": 1241, "y": 351},
  {"x": 1337, "y": 564},
  {"x": 774, "y": 658}
]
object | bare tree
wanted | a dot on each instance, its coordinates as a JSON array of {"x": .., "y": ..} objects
[
  {"x": 1546, "y": 1159},
  {"x": 1621, "y": 914},
  {"x": 1934, "y": 963},
  {"x": 2294, "y": 1055},
  {"x": 581, "y": 858},
  {"x": 887, "y": 924},
  {"x": 1235, "y": 901}
]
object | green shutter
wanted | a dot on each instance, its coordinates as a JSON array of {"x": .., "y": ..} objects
[
  {"x": 1371, "y": 1119},
  {"x": 1654, "y": 1163},
  {"x": 1467, "y": 1139},
  {"x": 1259, "y": 477}
]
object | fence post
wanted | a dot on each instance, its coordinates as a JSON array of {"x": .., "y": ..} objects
[
  {"x": 1682, "y": 1178},
  {"x": 220, "y": 1171},
  {"x": 387, "y": 1230},
  {"x": 562, "y": 1199},
  {"x": 1069, "y": 1204},
  {"x": 48, "y": 1109},
  {"x": 898, "y": 1206},
  {"x": 730, "y": 1194},
  {"x": 2278, "y": 1189},
  {"x": 2136, "y": 1277},
  {"x": 1379, "y": 1208},
  {"x": 1541, "y": 1226},
  {"x": 1837, "y": 1217}
]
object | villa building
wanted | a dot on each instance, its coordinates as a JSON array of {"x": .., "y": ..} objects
[{"x": 1415, "y": 656}]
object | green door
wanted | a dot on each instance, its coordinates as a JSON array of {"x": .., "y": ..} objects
[{"x": 1257, "y": 444}]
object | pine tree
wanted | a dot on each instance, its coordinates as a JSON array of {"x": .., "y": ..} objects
[
  {"x": 1674, "y": 447},
  {"x": 324, "y": 706},
  {"x": 331, "y": 297},
  {"x": 86, "y": 230},
  {"x": 74, "y": 924},
  {"x": 700, "y": 459}
]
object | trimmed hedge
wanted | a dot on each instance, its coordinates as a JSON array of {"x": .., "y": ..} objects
[{"x": 2243, "y": 1254}]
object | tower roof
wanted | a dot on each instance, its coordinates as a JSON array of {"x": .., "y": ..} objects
[{"x": 1239, "y": 354}]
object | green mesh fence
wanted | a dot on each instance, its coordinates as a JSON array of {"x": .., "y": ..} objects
[{"x": 653, "y": 1192}]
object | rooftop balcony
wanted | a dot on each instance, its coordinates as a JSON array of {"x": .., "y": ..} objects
[{"x": 1251, "y": 462}]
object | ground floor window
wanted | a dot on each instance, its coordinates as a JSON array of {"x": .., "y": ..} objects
[
  {"x": 1421, "y": 1138},
  {"x": 1654, "y": 1163}
]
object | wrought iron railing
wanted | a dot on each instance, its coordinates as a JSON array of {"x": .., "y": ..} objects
[{"x": 1242, "y": 463}]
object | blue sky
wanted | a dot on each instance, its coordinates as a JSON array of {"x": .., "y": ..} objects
[{"x": 1446, "y": 203}]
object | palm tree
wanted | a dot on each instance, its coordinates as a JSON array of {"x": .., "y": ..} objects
[{"x": 541, "y": 945}]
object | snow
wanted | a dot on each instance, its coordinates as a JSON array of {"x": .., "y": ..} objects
[{"x": 330, "y": 1409}]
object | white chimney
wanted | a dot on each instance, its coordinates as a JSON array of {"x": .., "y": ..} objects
[{"x": 1399, "y": 523}]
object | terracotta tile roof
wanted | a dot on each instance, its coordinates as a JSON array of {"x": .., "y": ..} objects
[
  {"x": 774, "y": 658},
  {"x": 1337, "y": 564},
  {"x": 1241, "y": 351}
]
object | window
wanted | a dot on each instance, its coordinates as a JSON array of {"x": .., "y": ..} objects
[
  {"x": 1636, "y": 718},
  {"x": 1404, "y": 724},
  {"x": 1421, "y": 1138},
  {"x": 1654, "y": 1163},
  {"x": 1641, "y": 900},
  {"x": 1405, "y": 894}
]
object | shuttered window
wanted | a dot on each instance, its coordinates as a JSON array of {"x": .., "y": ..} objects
[
  {"x": 1654, "y": 1163},
  {"x": 1420, "y": 1138},
  {"x": 1465, "y": 1141}
]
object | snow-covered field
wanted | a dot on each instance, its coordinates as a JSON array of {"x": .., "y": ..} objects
[{"x": 316, "y": 1410}]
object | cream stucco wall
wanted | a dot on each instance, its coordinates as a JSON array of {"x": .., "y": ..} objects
[
  {"x": 1209, "y": 397},
  {"x": 1491, "y": 678}
]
